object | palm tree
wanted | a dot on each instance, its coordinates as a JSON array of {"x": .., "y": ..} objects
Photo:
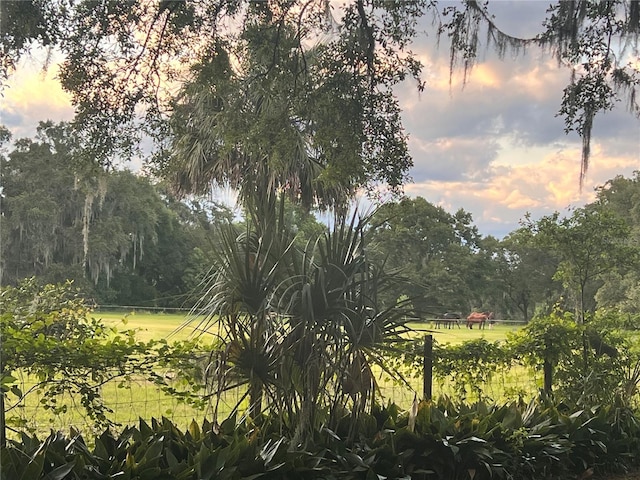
[
  {"x": 242, "y": 124},
  {"x": 302, "y": 328}
]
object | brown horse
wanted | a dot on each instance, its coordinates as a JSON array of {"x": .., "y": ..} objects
[
  {"x": 480, "y": 318},
  {"x": 448, "y": 320}
]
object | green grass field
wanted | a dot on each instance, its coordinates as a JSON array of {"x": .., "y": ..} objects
[
  {"x": 143, "y": 400},
  {"x": 458, "y": 335},
  {"x": 167, "y": 325},
  {"x": 150, "y": 326}
]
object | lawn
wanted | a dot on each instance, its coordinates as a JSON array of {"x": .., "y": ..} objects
[
  {"x": 458, "y": 335},
  {"x": 168, "y": 325},
  {"x": 143, "y": 400},
  {"x": 150, "y": 326}
]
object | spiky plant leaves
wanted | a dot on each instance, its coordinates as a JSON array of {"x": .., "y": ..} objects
[{"x": 303, "y": 329}]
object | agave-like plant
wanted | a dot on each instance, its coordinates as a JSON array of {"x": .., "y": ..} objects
[
  {"x": 236, "y": 307},
  {"x": 302, "y": 328}
]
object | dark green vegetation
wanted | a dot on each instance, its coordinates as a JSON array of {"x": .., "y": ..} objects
[
  {"x": 435, "y": 441},
  {"x": 121, "y": 238},
  {"x": 293, "y": 107}
]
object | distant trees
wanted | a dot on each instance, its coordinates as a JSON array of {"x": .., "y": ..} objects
[
  {"x": 119, "y": 237},
  {"x": 525, "y": 274},
  {"x": 432, "y": 248},
  {"x": 583, "y": 261},
  {"x": 589, "y": 244},
  {"x": 621, "y": 288},
  {"x": 290, "y": 100},
  {"x": 43, "y": 209}
]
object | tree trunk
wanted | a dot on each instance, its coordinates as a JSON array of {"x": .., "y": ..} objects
[
  {"x": 255, "y": 398},
  {"x": 547, "y": 369},
  {"x": 548, "y": 376}
]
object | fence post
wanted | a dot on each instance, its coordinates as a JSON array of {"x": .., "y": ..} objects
[
  {"x": 3, "y": 422},
  {"x": 547, "y": 368},
  {"x": 427, "y": 358}
]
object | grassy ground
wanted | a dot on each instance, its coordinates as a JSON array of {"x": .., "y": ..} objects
[
  {"x": 150, "y": 326},
  {"x": 143, "y": 400},
  {"x": 167, "y": 325},
  {"x": 460, "y": 334}
]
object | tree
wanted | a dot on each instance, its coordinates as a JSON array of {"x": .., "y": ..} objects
[
  {"x": 483, "y": 281},
  {"x": 122, "y": 59},
  {"x": 525, "y": 272},
  {"x": 43, "y": 211},
  {"x": 126, "y": 241},
  {"x": 124, "y": 224},
  {"x": 259, "y": 82},
  {"x": 301, "y": 328},
  {"x": 622, "y": 197},
  {"x": 431, "y": 247},
  {"x": 589, "y": 243},
  {"x": 304, "y": 224}
]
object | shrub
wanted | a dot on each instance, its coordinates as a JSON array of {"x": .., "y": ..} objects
[
  {"x": 441, "y": 440},
  {"x": 48, "y": 333}
]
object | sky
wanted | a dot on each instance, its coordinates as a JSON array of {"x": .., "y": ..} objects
[{"x": 492, "y": 146}]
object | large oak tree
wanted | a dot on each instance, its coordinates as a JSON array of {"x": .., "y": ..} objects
[{"x": 301, "y": 77}]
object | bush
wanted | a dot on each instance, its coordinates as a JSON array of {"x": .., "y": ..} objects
[
  {"x": 48, "y": 333},
  {"x": 591, "y": 363},
  {"x": 443, "y": 440}
]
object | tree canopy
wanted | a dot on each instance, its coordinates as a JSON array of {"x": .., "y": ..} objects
[
  {"x": 299, "y": 93},
  {"x": 122, "y": 238}
]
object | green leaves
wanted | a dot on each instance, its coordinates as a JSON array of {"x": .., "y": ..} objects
[
  {"x": 451, "y": 440},
  {"x": 590, "y": 243},
  {"x": 470, "y": 364},
  {"x": 47, "y": 333}
]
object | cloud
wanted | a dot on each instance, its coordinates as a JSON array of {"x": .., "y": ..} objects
[
  {"x": 31, "y": 96},
  {"x": 540, "y": 188},
  {"x": 452, "y": 159},
  {"x": 495, "y": 146},
  {"x": 521, "y": 18}
]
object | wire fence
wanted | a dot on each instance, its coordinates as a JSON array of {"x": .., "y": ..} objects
[
  {"x": 128, "y": 403},
  {"x": 140, "y": 308}
]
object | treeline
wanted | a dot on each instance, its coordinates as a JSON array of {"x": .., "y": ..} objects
[
  {"x": 119, "y": 237},
  {"x": 125, "y": 239},
  {"x": 585, "y": 260}
]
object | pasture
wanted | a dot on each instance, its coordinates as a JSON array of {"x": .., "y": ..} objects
[
  {"x": 167, "y": 325},
  {"x": 149, "y": 326},
  {"x": 143, "y": 400}
]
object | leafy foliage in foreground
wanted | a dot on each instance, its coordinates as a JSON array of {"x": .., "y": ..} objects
[
  {"x": 433, "y": 441},
  {"x": 48, "y": 333}
]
